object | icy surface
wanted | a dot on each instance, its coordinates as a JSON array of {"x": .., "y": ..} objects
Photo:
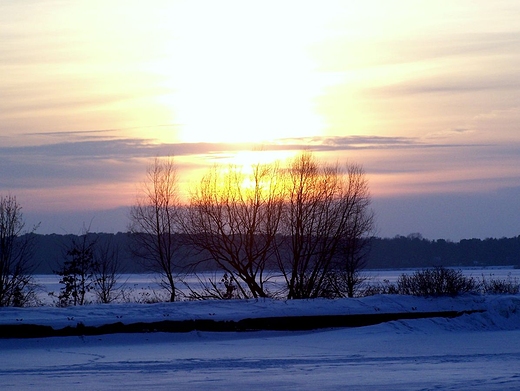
[{"x": 477, "y": 351}]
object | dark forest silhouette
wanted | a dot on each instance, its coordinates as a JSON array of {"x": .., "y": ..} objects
[{"x": 412, "y": 251}]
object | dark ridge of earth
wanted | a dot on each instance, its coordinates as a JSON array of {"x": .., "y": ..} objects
[{"x": 286, "y": 323}]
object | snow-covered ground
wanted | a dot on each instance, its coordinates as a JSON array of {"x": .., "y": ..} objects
[{"x": 478, "y": 351}]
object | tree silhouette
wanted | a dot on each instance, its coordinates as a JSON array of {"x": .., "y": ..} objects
[
  {"x": 16, "y": 253},
  {"x": 154, "y": 223}
]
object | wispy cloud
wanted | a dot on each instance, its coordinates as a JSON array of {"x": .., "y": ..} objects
[
  {"x": 103, "y": 144},
  {"x": 452, "y": 84},
  {"x": 416, "y": 49},
  {"x": 98, "y": 156}
]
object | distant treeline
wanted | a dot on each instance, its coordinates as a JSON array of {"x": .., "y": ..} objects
[
  {"x": 412, "y": 251},
  {"x": 50, "y": 251}
]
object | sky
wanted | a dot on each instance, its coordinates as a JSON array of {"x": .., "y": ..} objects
[{"x": 424, "y": 95}]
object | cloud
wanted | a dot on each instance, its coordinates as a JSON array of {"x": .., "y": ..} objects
[
  {"x": 105, "y": 144},
  {"x": 99, "y": 156},
  {"x": 94, "y": 163},
  {"x": 97, "y": 145},
  {"x": 350, "y": 143},
  {"x": 454, "y": 46},
  {"x": 339, "y": 54},
  {"x": 461, "y": 130},
  {"x": 453, "y": 84}
]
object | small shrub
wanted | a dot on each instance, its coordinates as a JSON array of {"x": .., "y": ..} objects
[
  {"x": 211, "y": 288},
  {"x": 494, "y": 286},
  {"x": 438, "y": 281},
  {"x": 26, "y": 296},
  {"x": 381, "y": 288},
  {"x": 150, "y": 296}
]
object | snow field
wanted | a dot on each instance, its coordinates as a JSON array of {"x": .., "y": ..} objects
[{"x": 478, "y": 351}]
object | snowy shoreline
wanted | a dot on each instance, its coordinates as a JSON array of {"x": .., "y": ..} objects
[
  {"x": 287, "y": 323},
  {"x": 242, "y": 315}
]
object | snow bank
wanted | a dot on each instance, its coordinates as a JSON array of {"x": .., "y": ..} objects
[{"x": 493, "y": 312}]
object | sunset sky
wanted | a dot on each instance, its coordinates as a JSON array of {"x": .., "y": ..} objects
[{"x": 424, "y": 94}]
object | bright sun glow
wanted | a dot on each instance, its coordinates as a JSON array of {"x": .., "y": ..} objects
[
  {"x": 242, "y": 76},
  {"x": 248, "y": 159}
]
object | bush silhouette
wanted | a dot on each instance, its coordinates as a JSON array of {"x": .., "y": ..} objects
[{"x": 438, "y": 281}]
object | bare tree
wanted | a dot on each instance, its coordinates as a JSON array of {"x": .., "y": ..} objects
[
  {"x": 16, "y": 251},
  {"x": 106, "y": 270},
  {"x": 322, "y": 209},
  {"x": 354, "y": 246},
  {"x": 307, "y": 227},
  {"x": 154, "y": 222},
  {"x": 233, "y": 217}
]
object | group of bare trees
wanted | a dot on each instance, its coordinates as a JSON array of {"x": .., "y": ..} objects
[
  {"x": 89, "y": 265},
  {"x": 307, "y": 222}
]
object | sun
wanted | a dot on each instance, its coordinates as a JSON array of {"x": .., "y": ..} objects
[{"x": 241, "y": 76}]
